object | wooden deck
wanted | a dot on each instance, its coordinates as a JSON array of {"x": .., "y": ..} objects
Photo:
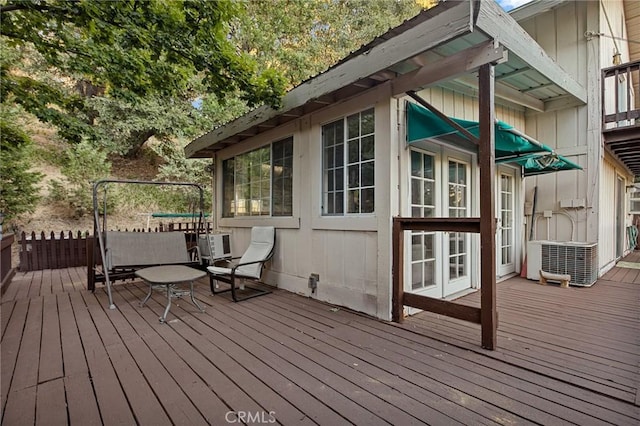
[{"x": 566, "y": 356}]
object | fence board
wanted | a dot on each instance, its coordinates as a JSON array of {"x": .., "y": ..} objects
[{"x": 67, "y": 251}]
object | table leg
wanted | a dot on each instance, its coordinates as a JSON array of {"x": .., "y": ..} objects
[
  {"x": 148, "y": 295},
  {"x": 163, "y": 318},
  {"x": 193, "y": 299}
]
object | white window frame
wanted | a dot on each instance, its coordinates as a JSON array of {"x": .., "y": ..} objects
[{"x": 345, "y": 181}]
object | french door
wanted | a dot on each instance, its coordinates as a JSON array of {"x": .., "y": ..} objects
[
  {"x": 505, "y": 235},
  {"x": 440, "y": 187}
]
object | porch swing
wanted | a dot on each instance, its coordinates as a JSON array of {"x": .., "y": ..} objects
[{"x": 163, "y": 258}]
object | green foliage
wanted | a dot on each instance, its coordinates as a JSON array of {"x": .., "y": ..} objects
[
  {"x": 85, "y": 65},
  {"x": 18, "y": 185},
  {"x": 302, "y": 38},
  {"x": 83, "y": 165},
  {"x": 136, "y": 48}
]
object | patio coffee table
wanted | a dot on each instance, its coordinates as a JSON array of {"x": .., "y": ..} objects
[{"x": 170, "y": 276}]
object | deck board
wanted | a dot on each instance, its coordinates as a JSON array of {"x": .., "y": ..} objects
[{"x": 565, "y": 356}]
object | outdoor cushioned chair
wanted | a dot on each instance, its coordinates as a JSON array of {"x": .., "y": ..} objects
[{"x": 249, "y": 267}]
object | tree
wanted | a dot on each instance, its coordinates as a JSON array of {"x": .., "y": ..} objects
[
  {"x": 126, "y": 51},
  {"x": 18, "y": 185},
  {"x": 303, "y": 38}
]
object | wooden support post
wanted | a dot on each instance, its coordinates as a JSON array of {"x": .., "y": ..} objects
[
  {"x": 488, "y": 314},
  {"x": 397, "y": 305}
]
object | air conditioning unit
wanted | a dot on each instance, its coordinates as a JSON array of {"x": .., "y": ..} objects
[
  {"x": 214, "y": 246},
  {"x": 580, "y": 260}
]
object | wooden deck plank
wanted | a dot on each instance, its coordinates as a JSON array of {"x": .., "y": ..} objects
[
  {"x": 51, "y": 404},
  {"x": 10, "y": 346},
  {"x": 332, "y": 374},
  {"x": 275, "y": 341},
  {"x": 434, "y": 395},
  {"x": 144, "y": 403},
  {"x": 35, "y": 289},
  {"x": 77, "y": 381},
  {"x": 593, "y": 405},
  {"x": 6, "y": 309},
  {"x": 20, "y": 408},
  {"x": 111, "y": 400},
  {"x": 202, "y": 361},
  {"x": 169, "y": 393},
  {"x": 202, "y": 396},
  {"x": 25, "y": 374},
  {"x": 565, "y": 356},
  {"x": 230, "y": 363},
  {"x": 50, "y": 348}
]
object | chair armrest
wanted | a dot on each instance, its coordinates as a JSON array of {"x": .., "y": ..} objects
[{"x": 233, "y": 270}]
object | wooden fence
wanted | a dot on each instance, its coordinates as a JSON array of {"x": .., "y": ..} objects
[
  {"x": 55, "y": 251},
  {"x": 6, "y": 271}
]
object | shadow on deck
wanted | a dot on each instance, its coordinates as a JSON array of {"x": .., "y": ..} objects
[{"x": 564, "y": 356}]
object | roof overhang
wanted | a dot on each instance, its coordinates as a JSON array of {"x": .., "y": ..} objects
[{"x": 443, "y": 46}]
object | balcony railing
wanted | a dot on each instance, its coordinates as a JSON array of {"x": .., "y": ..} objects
[{"x": 620, "y": 101}]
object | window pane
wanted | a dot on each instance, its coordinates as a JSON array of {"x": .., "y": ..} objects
[
  {"x": 354, "y": 201},
  {"x": 416, "y": 191},
  {"x": 428, "y": 167},
  {"x": 367, "y": 174},
  {"x": 339, "y": 155},
  {"x": 428, "y": 193},
  {"x": 416, "y": 276},
  {"x": 354, "y": 176},
  {"x": 339, "y": 209},
  {"x": 416, "y": 247},
  {"x": 368, "y": 200},
  {"x": 416, "y": 164},
  {"x": 353, "y": 125},
  {"x": 367, "y": 124},
  {"x": 228, "y": 204},
  {"x": 354, "y": 152},
  {"x": 281, "y": 171},
  {"x": 368, "y": 148},
  {"x": 339, "y": 179},
  {"x": 329, "y": 157}
]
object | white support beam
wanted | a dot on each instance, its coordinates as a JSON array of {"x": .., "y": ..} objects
[
  {"x": 497, "y": 24},
  {"x": 449, "y": 20},
  {"x": 449, "y": 67},
  {"x": 507, "y": 93}
]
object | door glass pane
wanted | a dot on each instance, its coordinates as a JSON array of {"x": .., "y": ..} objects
[
  {"x": 422, "y": 205},
  {"x": 458, "y": 188},
  {"x": 506, "y": 219}
]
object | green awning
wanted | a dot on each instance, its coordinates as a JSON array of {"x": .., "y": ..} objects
[{"x": 510, "y": 145}]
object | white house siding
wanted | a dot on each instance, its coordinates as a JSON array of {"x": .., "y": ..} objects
[
  {"x": 351, "y": 255},
  {"x": 573, "y": 132},
  {"x": 607, "y": 244}
]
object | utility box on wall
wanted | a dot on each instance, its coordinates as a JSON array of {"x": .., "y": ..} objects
[{"x": 580, "y": 260}]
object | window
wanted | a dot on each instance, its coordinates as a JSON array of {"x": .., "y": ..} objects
[
  {"x": 349, "y": 165},
  {"x": 634, "y": 201},
  {"x": 259, "y": 182}
]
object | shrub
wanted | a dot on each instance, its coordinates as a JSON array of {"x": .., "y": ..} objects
[{"x": 18, "y": 185}]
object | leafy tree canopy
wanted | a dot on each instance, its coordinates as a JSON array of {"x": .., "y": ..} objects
[
  {"x": 137, "y": 57},
  {"x": 130, "y": 47},
  {"x": 302, "y": 37}
]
